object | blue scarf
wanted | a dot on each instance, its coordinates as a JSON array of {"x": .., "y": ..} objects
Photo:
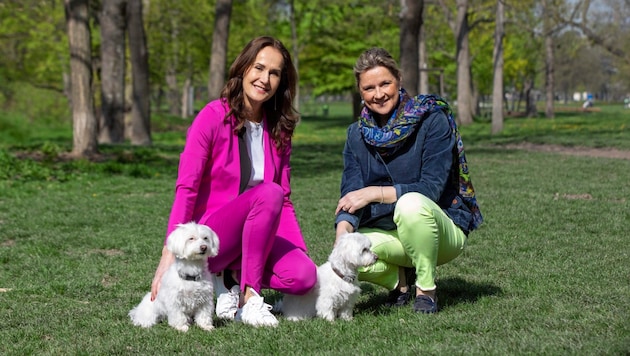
[{"x": 405, "y": 119}]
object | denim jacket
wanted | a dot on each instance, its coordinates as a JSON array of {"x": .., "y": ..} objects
[{"x": 424, "y": 164}]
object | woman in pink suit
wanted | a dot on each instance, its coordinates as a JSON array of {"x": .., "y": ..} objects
[{"x": 234, "y": 176}]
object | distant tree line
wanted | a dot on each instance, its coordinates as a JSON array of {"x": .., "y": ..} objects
[{"x": 114, "y": 60}]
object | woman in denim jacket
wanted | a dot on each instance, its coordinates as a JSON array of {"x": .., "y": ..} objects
[{"x": 405, "y": 183}]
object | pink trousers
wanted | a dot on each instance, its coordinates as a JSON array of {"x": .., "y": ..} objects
[{"x": 248, "y": 243}]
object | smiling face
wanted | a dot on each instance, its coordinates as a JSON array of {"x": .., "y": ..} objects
[
  {"x": 262, "y": 78},
  {"x": 379, "y": 90}
]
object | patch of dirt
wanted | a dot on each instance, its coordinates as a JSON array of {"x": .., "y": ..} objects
[{"x": 573, "y": 151}]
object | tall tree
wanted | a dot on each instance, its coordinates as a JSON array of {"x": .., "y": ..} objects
[
  {"x": 84, "y": 128},
  {"x": 548, "y": 34},
  {"x": 611, "y": 37},
  {"x": 218, "y": 57},
  {"x": 140, "y": 133},
  {"x": 423, "y": 74},
  {"x": 111, "y": 128},
  {"x": 295, "y": 48},
  {"x": 172, "y": 63},
  {"x": 497, "y": 86},
  {"x": 461, "y": 29},
  {"x": 410, "y": 24}
]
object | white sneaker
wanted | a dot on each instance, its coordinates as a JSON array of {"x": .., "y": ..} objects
[
  {"x": 256, "y": 312},
  {"x": 227, "y": 300}
]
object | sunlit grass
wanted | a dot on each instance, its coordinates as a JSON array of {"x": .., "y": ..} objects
[{"x": 547, "y": 272}]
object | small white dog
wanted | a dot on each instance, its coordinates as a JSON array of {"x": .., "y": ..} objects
[
  {"x": 186, "y": 290},
  {"x": 337, "y": 288}
]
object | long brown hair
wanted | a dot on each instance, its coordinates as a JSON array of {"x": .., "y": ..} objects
[{"x": 281, "y": 116}]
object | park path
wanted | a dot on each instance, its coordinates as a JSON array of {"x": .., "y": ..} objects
[{"x": 573, "y": 151}]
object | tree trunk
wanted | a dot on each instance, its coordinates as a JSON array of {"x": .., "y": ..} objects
[
  {"x": 218, "y": 58},
  {"x": 549, "y": 68},
  {"x": 423, "y": 74},
  {"x": 296, "y": 51},
  {"x": 530, "y": 103},
  {"x": 112, "y": 118},
  {"x": 187, "y": 98},
  {"x": 140, "y": 110},
  {"x": 464, "y": 94},
  {"x": 172, "y": 94},
  {"x": 410, "y": 23},
  {"x": 497, "y": 85},
  {"x": 84, "y": 128}
]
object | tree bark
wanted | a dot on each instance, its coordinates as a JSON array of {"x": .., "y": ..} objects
[
  {"x": 187, "y": 98},
  {"x": 464, "y": 84},
  {"x": 497, "y": 85},
  {"x": 295, "y": 48},
  {"x": 112, "y": 118},
  {"x": 410, "y": 23},
  {"x": 549, "y": 65},
  {"x": 140, "y": 110},
  {"x": 218, "y": 57},
  {"x": 173, "y": 95},
  {"x": 84, "y": 128},
  {"x": 423, "y": 75}
]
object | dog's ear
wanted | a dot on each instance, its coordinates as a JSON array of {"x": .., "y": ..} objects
[
  {"x": 343, "y": 245},
  {"x": 213, "y": 243},
  {"x": 176, "y": 241}
]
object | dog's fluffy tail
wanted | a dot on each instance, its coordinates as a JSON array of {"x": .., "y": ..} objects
[{"x": 145, "y": 313}]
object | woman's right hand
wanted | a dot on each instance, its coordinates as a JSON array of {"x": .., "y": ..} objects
[{"x": 165, "y": 262}]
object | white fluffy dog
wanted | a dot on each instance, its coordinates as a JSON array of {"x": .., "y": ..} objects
[
  {"x": 186, "y": 290},
  {"x": 337, "y": 288}
]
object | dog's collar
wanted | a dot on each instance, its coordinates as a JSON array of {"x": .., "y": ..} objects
[
  {"x": 190, "y": 277},
  {"x": 349, "y": 279}
]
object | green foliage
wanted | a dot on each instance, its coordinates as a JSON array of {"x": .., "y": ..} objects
[
  {"x": 179, "y": 37},
  {"x": 327, "y": 59},
  {"x": 33, "y": 46}
]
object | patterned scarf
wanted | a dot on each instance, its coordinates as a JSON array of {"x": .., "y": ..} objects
[{"x": 410, "y": 111}]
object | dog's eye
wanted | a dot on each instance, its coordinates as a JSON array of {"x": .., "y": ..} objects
[
  {"x": 366, "y": 250},
  {"x": 191, "y": 238},
  {"x": 205, "y": 238}
]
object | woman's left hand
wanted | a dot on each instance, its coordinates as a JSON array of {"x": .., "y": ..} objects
[{"x": 358, "y": 199}]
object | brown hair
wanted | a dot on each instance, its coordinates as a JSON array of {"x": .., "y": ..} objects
[
  {"x": 281, "y": 116},
  {"x": 376, "y": 57}
]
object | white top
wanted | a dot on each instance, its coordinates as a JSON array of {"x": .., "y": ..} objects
[{"x": 255, "y": 149}]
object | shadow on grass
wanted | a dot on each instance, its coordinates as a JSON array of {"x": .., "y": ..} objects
[
  {"x": 312, "y": 159},
  {"x": 330, "y": 122},
  {"x": 451, "y": 291}
]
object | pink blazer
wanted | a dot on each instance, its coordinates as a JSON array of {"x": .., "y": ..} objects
[{"x": 209, "y": 172}]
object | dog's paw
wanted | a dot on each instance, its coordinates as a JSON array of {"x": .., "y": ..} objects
[
  {"x": 295, "y": 318},
  {"x": 206, "y": 326},
  {"x": 182, "y": 328},
  {"x": 327, "y": 316}
]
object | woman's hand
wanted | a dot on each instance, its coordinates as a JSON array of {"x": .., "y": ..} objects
[
  {"x": 343, "y": 227},
  {"x": 358, "y": 199},
  {"x": 165, "y": 262}
]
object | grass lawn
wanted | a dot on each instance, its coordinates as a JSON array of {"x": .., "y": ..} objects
[{"x": 547, "y": 273}]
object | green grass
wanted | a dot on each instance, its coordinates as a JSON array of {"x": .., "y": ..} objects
[{"x": 547, "y": 273}]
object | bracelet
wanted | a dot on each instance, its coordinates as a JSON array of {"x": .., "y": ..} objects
[{"x": 382, "y": 196}]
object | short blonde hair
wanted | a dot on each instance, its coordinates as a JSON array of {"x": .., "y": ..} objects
[{"x": 376, "y": 57}]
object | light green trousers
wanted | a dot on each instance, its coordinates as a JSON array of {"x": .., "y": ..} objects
[{"x": 426, "y": 237}]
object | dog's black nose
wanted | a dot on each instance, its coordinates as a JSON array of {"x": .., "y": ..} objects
[{"x": 203, "y": 248}]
